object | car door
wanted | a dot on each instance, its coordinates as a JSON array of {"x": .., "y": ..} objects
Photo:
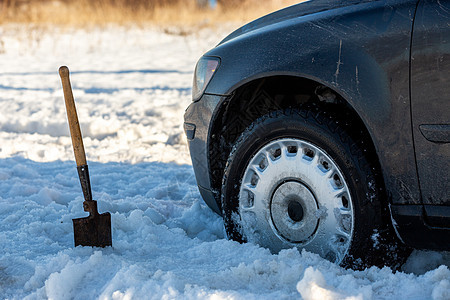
[{"x": 430, "y": 102}]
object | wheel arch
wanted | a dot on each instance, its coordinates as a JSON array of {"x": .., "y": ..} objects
[
  {"x": 255, "y": 97},
  {"x": 358, "y": 54}
]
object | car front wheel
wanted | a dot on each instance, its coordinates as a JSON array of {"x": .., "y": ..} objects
[{"x": 295, "y": 178}]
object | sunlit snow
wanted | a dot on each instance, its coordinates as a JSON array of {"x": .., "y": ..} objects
[{"x": 131, "y": 86}]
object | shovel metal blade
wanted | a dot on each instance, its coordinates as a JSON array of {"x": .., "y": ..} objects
[{"x": 94, "y": 231}]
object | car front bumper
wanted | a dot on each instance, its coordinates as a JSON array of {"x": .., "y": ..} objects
[{"x": 197, "y": 123}]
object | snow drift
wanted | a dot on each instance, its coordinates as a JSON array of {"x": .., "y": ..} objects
[{"x": 131, "y": 87}]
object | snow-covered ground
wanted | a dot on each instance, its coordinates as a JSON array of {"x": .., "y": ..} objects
[{"x": 131, "y": 86}]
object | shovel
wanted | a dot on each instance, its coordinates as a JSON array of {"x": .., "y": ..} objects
[{"x": 94, "y": 230}]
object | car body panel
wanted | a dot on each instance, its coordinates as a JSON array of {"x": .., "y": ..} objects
[
  {"x": 295, "y": 11},
  {"x": 201, "y": 113},
  {"x": 430, "y": 99},
  {"x": 360, "y": 51}
]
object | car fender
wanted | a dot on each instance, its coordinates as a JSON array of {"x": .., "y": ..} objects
[{"x": 361, "y": 52}]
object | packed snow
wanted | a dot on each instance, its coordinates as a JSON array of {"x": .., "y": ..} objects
[{"x": 131, "y": 86}]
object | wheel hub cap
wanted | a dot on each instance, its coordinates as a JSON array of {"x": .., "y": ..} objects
[
  {"x": 293, "y": 211},
  {"x": 294, "y": 195}
]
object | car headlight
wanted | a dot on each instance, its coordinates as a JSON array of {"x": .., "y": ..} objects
[{"x": 204, "y": 71}]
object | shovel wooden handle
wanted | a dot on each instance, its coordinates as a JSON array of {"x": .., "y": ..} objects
[{"x": 74, "y": 125}]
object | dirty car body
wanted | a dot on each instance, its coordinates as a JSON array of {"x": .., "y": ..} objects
[{"x": 383, "y": 63}]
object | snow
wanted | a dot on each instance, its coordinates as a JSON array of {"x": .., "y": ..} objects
[{"x": 131, "y": 86}]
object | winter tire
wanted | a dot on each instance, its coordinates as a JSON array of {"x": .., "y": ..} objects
[{"x": 295, "y": 178}]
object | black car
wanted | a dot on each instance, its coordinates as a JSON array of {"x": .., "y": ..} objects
[{"x": 326, "y": 126}]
